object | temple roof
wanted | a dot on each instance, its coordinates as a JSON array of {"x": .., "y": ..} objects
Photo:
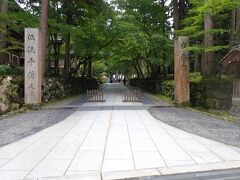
[{"x": 225, "y": 58}]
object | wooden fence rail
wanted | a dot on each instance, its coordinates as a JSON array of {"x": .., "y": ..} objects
[
  {"x": 95, "y": 95},
  {"x": 236, "y": 89},
  {"x": 132, "y": 95}
]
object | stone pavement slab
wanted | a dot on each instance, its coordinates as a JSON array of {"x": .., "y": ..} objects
[{"x": 93, "y": 143}]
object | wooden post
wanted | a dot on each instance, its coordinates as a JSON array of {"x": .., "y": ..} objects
[{"x": 181, "y": 70}]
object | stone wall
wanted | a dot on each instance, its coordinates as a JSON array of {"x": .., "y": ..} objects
[
  {"x": 235, "y": 109},
  {"x": 219, "y": 94},
  {"x": 9, "y": 95},
  {"x": 12, "y": 90},
  {"x": 215, "y": 94},
  {"x": 198, "y": 94},
  {"x": 55, "y": 88}
]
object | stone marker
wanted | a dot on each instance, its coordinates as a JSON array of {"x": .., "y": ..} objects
[
  {"x": 32, "y": 67},
  {"x": 181, "y": 70}
]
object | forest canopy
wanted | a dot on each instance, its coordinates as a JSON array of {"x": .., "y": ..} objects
[{"x": 134, "y": 37}]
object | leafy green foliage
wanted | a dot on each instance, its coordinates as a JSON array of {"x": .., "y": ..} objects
[
  {"x": 193, "y": 23},
  {"x": 144, "y": 44},
  {"x": 12, "y": 27},
  {"x": 7, "y": 70},
  {"x": 131, "y": 36}
]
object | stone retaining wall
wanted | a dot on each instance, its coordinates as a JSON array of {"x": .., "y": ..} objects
[
  {"x": 12, "y": 90},
  {"x": 9, "y": 95},
  {"x": 215, "y": 94}
]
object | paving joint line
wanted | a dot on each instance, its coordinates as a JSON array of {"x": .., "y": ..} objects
[
  {"x": 20, "y": 151},
  {"x": 192, "y": 135},
  {"x": 134, "y": 164},
  {"x": 81, "y": 142},
  {"x": 106, "y": 139},
  {"x": 159, "y": 171},
  {"x": 51, "y": 148},
  {"x": 152, "y": 139},
  {"x": 181, "y": 146}
]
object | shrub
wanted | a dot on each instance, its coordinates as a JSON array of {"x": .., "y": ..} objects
[{"x": 6, "y": 70}]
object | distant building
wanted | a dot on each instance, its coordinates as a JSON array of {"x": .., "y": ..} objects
[{"x": 230, "y": 64}]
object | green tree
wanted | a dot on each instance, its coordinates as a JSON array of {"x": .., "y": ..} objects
[
  {"x": 145, "y": 36},
  {"x": 207, "y": 25}
]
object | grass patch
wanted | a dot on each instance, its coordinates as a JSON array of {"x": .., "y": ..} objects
[
  {"x": 221, "y": 114},
  {"x": 196, "y": 77},
  {"x": 164, "y": 98}
]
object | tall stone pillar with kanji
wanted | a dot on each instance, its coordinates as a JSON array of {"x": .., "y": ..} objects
[
  {"x": 181, "y": 70},
  {"x": 33, "y": 76}
]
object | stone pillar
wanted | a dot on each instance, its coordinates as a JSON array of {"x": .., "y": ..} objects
[
  {"x": 33, "y": 75},
  {"x": 181, "y": 70}
]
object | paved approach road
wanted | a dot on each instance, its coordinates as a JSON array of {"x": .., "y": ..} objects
[{"x": 112, "y": 140}]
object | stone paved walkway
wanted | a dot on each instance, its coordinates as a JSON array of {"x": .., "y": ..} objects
[{"x": 112, "y": 140}]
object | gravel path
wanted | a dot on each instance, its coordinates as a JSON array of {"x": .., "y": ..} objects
[
  {"x": 200, "y": 124},
  {"x": 21, "y": 125},
  {"x": 16, "y": 127}
]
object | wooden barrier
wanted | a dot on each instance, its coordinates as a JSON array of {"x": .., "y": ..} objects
[
  {"x": 236, "y": 89},
  {"x": 132, "y": 95},
  {"x": 95, "y": 95}
]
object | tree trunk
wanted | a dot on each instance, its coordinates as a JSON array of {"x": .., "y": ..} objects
[
  {"x": 235, "y": 27},
  {"x": 3, "y": 44},
  {"x": 89, "y": 74},
  {"x": 164, "y": 56},
  {"x": 148, "y": 70},
  {"x": 176, "y": 16},
  {"x": 67, "y": 41},
  {"x": 139, "y": 68},
  {"x": 67, "y": 55},
  {"x": 43, "y": 35},
  {"x": 48, "y": 64},
  {"x": 136, "y": 69},
  {"x": 55, "y": 59},
  {"x": 197, "y": 63},
  {"x": 84, "y": 69},
  {"x": 153, "y": 72},
  {"x": 208, "y": 66},
  {"x": 56, "y": 48}
]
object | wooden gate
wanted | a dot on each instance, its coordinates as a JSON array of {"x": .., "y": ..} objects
[
  {"x": 132, "y": 95},
  {"x": 236, "y": 89},
  {"x": 95, "y": 95}
]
